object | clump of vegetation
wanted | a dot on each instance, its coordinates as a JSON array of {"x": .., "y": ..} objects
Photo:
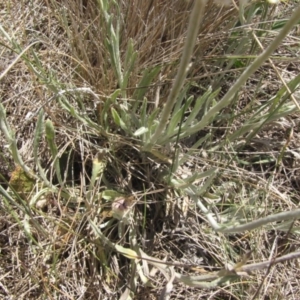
[{"x": 149, "y": 149}]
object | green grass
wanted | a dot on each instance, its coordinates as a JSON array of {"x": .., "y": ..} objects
[{"x": 149, "y": 150}]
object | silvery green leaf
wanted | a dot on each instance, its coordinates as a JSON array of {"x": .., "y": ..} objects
[
  {"x": 181, "y": 97},
  {"x": 141, "y": 131},
  {"x": 173, "y": 125},
  {"x": 118, "y": 119},
  {"x": 143, "y": 113},
  {"x": 143, "y": 86}
]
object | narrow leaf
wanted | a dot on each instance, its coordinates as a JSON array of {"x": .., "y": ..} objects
[
  {"x": 126, "y": 252},
  {"x": 118, "y": 119},
  {"x": 140, "y": 131}
]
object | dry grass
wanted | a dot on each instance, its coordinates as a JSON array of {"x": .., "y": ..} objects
[{"x": 63, "y": 258}]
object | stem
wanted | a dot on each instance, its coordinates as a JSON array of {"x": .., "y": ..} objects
[
  {"x": 293, "y": 214},
  {"x": 193, "y": 28},
  {"x": 248, "y": 72},
  {"x": 265, "y": 264}
]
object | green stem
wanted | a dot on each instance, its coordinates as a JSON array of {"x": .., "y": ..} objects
[
  {"x": 294, "y": 19},
  {"x": 286, "y": 215},
  {"x": 193, "y": 28}
]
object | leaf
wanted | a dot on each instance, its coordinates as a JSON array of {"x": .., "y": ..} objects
[
  {"x": 196, "y": 176},
  {"x": 141, "y": 131},
  {"x": 143, "y": 86},
  {"x": 126, "y": 252},
  {"x": 118, "y": 119},
  {"x": 50, "y": 132},
  {"x": 165, "y": 294},
  {"x": 181, "y": 97},
  {"x": 202, "y": 104},
  {"x": 130, "y": 59},
  {"x": 50, "y": 136},
  {"x": 175, "y": 119},
  {"x": 37, "y": 135},
  {"x": 143, "y": 112},
  {"x": 126, "y": 295},
  {"x": 36, "y": 197},
  {"x": 99, "y": 164},
  {"x": 108, "y": 102}
]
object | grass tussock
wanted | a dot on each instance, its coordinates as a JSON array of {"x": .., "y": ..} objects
[{"x": 146, "y": 157}]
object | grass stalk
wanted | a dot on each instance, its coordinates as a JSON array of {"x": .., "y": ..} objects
[
  {"x": 257, "y": 63},
  {"x": 194, "y": 23}
]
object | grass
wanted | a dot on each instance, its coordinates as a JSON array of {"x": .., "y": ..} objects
[{"x": 149, "y": 150}]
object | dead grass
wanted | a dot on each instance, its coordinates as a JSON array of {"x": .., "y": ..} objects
[{"x": 67, "y": 260}]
